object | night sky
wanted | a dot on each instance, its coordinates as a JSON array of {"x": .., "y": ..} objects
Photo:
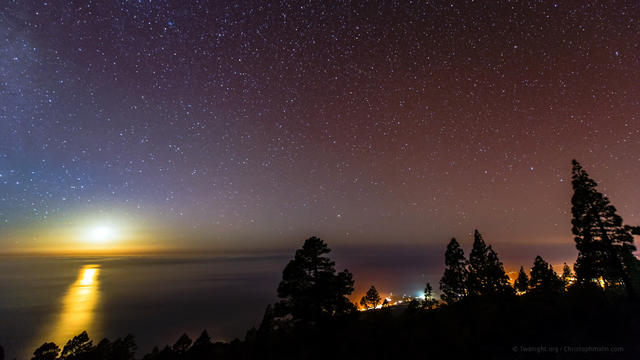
[{"x": 252, "y": 125}]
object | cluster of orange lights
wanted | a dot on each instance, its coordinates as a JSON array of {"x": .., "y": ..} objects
[
  {"x": 387, "y": 302},
  {"x": 391, "y": 300}
]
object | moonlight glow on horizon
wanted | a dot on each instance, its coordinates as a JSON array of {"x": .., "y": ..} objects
[{"x": 101, "y": 234}]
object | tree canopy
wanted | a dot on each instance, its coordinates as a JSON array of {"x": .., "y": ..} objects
[
  {"x": 604, "y": 244},
  {"x": 310, "y": 288},
  {"x": 486, "y": 272},
  {"x": 543, "y": 278},
  {"x": 453, "y": 285},
  {"x": 371, "y": 299},
  {"x": 48, "y": 351},
  {"x": 429, "y": 301},
  {"x": 567, "y": 276},
  {"x": 80, "y": 344},
  {"x": 182, "y": 344},
  {"x": 522, "y": 281},
  {"x": 80, "y": 347}
]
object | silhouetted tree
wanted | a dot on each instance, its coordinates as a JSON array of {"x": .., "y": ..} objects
[
  {"x": 372, "y": 298},
  {"x": 310, "y": 288},
  {"x": 477, "y": 265},
  {"x": 604, "y": 244},
  {"x": 429, "y": 301},
  {"x": 268, "y": 320},
  {"x": 498, "y": 280},
  {"x": 202, "y": 346},
  {"x": 182, "y": 344},
  {"x": 453, "y": 285},
  {"x": 203, "y": 340},
  {"x": 79, "y": 345},
  {"x": 363, "y": 302},
  {"x": 167, "y": 353},
  {"x": 522, "y": 282},
  {"x": 154, "y": 354},
  {"x": 102, "y": 351},
  {"x": 120, "y": 349},
  {"x": 48, "y": 351},
  {"x": 543, "y": 278},
  {"x": 567, "y": 276},
  {"x": 486, "y": 272},
  {"x": 123, "y": 348}
]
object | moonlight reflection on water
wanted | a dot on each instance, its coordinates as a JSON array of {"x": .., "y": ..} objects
[{"x": 78, "y": 306}]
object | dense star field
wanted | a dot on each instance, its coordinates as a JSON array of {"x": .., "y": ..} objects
[{"x": 250, "y": 125}]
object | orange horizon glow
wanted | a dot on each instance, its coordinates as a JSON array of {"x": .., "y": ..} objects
[{"x": 132, "y": 250}]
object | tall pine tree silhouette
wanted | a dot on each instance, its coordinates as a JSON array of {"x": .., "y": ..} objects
[
  {"x": 543, "y": 278},
  {"x": 486, "y": 272},
  {"x": 604, "y": 244},
  {"x": 310, "y": 288},
  {"x": 429, "y": 302},
  {"x": 453, "y": 284},
  {"x": 522, "y": 282},
  {"x": 567, "y": 276}
]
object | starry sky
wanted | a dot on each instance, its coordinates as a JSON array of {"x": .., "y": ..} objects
[{"x": 254, "y": 124}]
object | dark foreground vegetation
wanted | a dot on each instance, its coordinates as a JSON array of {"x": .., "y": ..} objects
[{"x": 590, "y": 311}]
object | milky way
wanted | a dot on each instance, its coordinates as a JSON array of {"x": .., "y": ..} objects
[{"x": 255, "y": 124}]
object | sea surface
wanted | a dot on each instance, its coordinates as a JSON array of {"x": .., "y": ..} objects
[
  {"x": 158, "y": 298},
  {"x": 154, "y": 298}
]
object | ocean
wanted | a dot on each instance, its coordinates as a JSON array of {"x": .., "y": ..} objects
[
  {"x": 158, "y": 298},
  {"x": 154, "y": 298}
]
